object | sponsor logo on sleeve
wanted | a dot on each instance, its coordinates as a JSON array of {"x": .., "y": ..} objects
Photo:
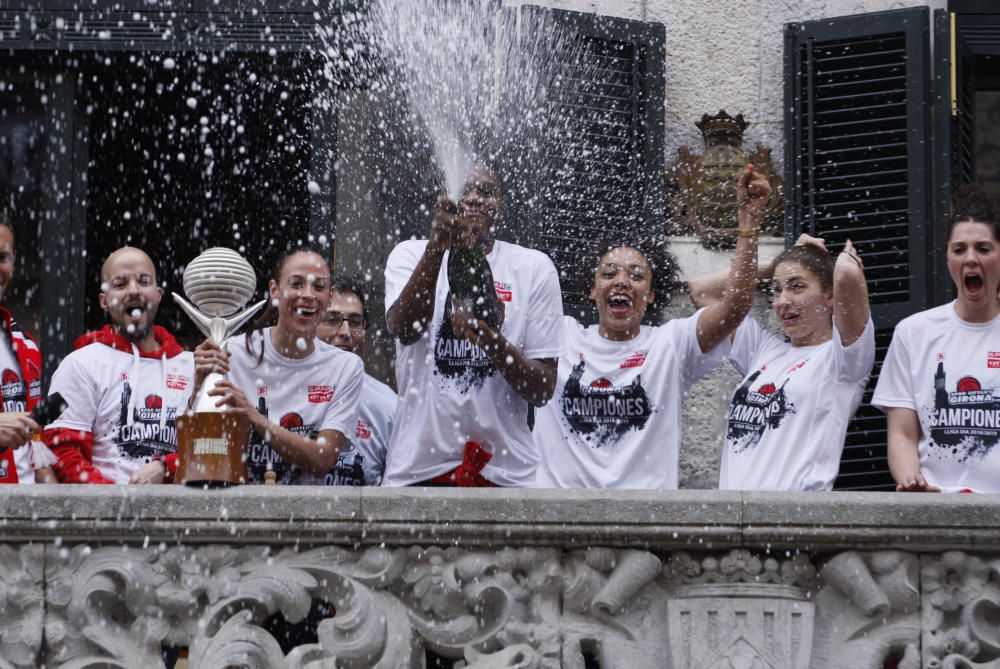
[
  {"x": 504, "y": 290},
  {"x": 320, "y": 394},
  {"x": 993, "y": 360},
  {"x": 363, "y": 432},
  {"x": 177, "y": 382}
]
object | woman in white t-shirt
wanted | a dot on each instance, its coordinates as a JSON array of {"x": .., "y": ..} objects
[
  {"x": 614, "y": 421},
  {"x": 304, "y": 392},
  {"x": 940, "y": 380},
  {"x": 788, "y": 418}
]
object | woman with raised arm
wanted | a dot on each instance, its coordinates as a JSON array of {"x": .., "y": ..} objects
[
  {"x": 940, "y": 378},
  {"x": 615, "y": 419},
  {"x": 788, "y": 418}
]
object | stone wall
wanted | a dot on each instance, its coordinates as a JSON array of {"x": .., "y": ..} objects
[{"x": 96, "y": 576}]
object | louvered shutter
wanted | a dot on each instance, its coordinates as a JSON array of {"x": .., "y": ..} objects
[
  {"x": 857, "y": 166},
  {"x": 601, "y": 160}
]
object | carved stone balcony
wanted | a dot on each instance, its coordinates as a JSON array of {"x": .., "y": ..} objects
[{"x": 105, "y": 576}]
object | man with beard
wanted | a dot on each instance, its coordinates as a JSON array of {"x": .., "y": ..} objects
[
  {"x": 465, "y": 386},
  {"x": 21, "y": 385},
  {"x": 124, "y": 384},
  {"x": 363, "y": 463}
]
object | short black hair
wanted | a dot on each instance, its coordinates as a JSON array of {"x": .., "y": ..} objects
[{"x": 340, "y": 283}]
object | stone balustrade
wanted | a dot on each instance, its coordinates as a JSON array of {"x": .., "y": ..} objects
[{"x": 104, "y": 576}]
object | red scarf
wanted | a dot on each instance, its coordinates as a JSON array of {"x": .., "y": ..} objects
[
  {"x": 29, "y": 359},
  {"x": 109, "y": 337}
]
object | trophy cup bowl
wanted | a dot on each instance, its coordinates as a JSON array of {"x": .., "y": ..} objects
[{"x": 210, "y": 440}]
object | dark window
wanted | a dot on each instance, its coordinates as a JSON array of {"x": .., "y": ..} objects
[
  {"x": 601, "y": 163},
  {"x": 175, "y": 128},
  {"x": 857, "y": 167}
]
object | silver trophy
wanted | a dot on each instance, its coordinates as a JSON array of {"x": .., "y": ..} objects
[{"x": 219, "y": 282}]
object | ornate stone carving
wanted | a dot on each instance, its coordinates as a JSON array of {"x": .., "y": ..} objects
[
  {"x": 701, "y": 189},
  {"x": 739, "y": 610},
  {"x": 961, "y": 611},
  {"x": 508, "y": 608},
  {"x": 868, "y": 611},
  {"x": 22, "y": 606}
]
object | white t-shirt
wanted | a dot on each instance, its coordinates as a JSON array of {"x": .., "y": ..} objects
[
  {"x": 362, "y": 462},
  {"x": 128, "y": 403},
  {"x": 615, "y": 419},
  {"x": 449, "y": 392},
  {"x": 303, "y": 395},
  {"x": 948, "y": 371},
  {"x": 15, "y": 398},
  {"x": 788, "y": 417}
]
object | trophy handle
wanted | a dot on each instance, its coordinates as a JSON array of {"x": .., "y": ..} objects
[{"x": 203, "y": 322}]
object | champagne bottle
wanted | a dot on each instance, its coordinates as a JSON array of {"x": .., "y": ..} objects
[{"x": 470, "y": 278}]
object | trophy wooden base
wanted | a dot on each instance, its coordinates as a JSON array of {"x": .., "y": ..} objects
[{"x": 210, "y": 449}]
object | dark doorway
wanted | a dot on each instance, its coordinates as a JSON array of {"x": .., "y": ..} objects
[{"x": 190, "y": 151}]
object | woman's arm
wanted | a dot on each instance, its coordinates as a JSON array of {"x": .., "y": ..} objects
[
  {"x": 904, "y": 458},
  {"x": 315, "y": 456},
  {"x": 719, "y": 320},
  {"x": 850, "y": 295}
]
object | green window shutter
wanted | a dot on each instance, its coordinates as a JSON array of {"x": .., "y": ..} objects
[
  {"x": 857, "y": 166},
  {"x": 601, "y": 164}
]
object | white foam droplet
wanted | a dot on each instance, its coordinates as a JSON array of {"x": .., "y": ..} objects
[
  {"x": 301, "y": 344},
  {"x": 136, "y": 313},
  {"x": 130, "y": 328},
  {"x": 192, "y": 103},
  {"x": 310, "y": 278},
  {"x": 169, "y": 63},
  {"x": 313, "y": 187}
]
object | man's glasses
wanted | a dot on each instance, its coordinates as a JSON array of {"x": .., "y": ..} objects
[{"x": 335, "y": 319}]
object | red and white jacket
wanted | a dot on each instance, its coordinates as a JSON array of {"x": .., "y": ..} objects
[
  {"x": 29, "y": 358},
  {"x": 122, "y": 405}
]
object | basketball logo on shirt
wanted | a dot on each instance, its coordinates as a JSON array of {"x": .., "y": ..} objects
[
  {"x": 260, "y": 455},
  {"x": 12, "y": 388},
  {"x": 753, "y": 411},
  {"x": 457, "y": 359},
  {"x": 349, "y": 469},
  {"x": 602, "y": 412},
  {"x": 965, "y": 423},
  {"x": 141, "y": 437}
]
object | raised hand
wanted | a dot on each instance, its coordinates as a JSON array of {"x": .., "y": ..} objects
[{"x": 752, "y": 191}]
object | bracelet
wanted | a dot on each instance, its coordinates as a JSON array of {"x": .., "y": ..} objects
[{"x": 748, "y": 234}]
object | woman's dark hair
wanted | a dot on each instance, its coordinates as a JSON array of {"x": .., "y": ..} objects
[
  {"x": 349, "y": 284},
  {"x": 270, "y": 314},
  {"x": 973, "y": 204},
  {"x": 816, "y": 261},
  {"x": 653, "y": 247}
]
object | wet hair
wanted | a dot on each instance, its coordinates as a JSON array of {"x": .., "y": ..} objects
[
  {"x": 270, "y": 314},
  {"x": 340, "y": 283},
  {"x": 815, "y": 260},
  {"x": 973, "y": 204},
  {"x": 653, "y": 248}
]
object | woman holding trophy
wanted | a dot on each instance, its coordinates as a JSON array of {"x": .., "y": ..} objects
[
  {"x": 305, "y": 392},
  {"x": 299, "y": 394}
]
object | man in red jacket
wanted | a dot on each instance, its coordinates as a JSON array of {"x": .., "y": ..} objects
[
  {"x": 20, "y": 377},
  {"x": 124, "y": 385}
]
